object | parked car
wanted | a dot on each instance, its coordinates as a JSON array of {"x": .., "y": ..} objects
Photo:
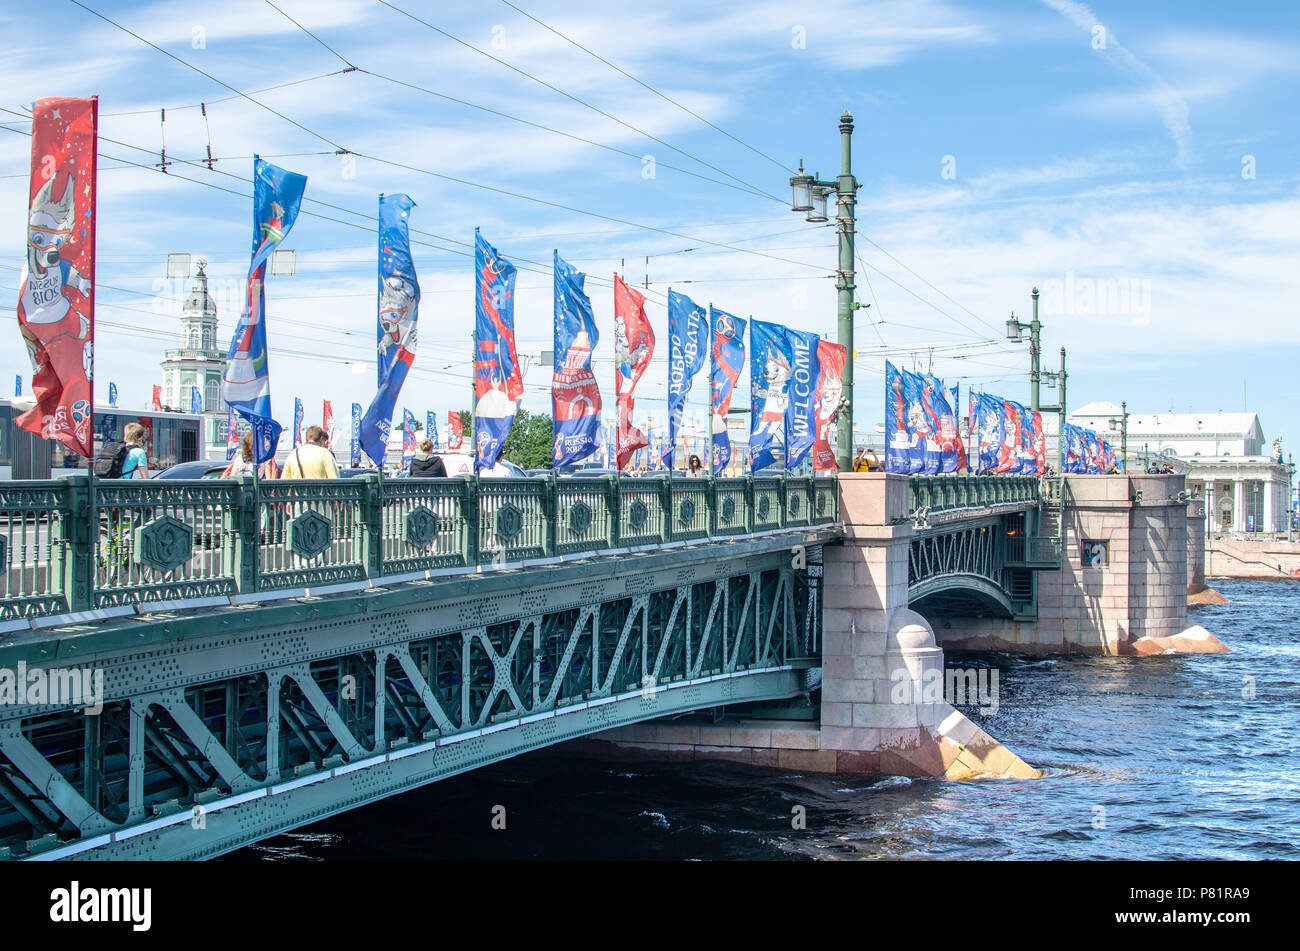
[
  {"x": 459, "y": 463},
  {"x": 198, "y": 469}
]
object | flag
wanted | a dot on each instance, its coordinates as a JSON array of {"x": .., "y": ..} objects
[
  {"x": 395, "y": 328},
  {"x": 456, "y": 428},
  {"x": 356, "y": 435},
  {"x": 247, "y": 383},
  {"x": 688, "y": 334},
  {"x": 498, "y": 383},
  {"x": 770, "y": 369},
  {"x": 936, "y": 428},
  {"x": 408, "y": 438},
  {"x": 727, "y": 348},
  {"x": 1040, "y": 445},
  {"x": 297, "y": 422},
  {"x": 1009, "y": 450},
  {"x": 157, "y": 398},
  {"x": 634, "y": 345},
  {"x": 56, "y": 302},
  {"x": 954, "y": 402},
  {"x": 831, "y": 358},
  {"x": 112, "y": 394},
  {"x": 18, "y": 384},
  {"x": 904, "y": 417},
  {"x": 1072, "y": 456},
  {"x": 327, "y": 421},
  {"x": 196, "y": 400},
  {"x": 800, "y": 421},
  {"x": 575, "y": 397},
  {"x": 986, "y": 423},
  {"x": 232, "y": 434}
]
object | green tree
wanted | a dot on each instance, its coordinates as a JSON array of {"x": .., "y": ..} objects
[{"x": 529, "y": 443}]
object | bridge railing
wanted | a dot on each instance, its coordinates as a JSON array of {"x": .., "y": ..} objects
[
  {"x": 155, "y": 541},
  {"x": 947, "y": 492}
]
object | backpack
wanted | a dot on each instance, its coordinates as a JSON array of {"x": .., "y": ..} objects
[{"x": 110, "y": 460}]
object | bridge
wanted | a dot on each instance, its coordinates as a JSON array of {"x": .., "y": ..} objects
[{"x": 270, "y": 653}]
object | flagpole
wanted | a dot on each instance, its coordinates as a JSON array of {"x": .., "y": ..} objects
[{"x": 90, "y": 460}]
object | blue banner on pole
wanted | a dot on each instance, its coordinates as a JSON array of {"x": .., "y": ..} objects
[
  {"x": 395, "y": 330},
  {"x": 246, "y": 385},
  {"x": 356, "y": 435},
  {"x": 770, "y": 369},
  {"x": 18, "y": 384},
  {"x": 727, "y": 348},
  {"x": 112, "y": 394},
  {"x": 297, "y": 422},
  {"x": 498, "y": 382},
  {"x": 801, "y": 410},
  {"x": 575, "y": 396},
  {"x": 431, "y": 428},
  {"x": 408, "y": 438},
  {"x": 196, "y": 400},
  {"x": 688, "y": 348}
]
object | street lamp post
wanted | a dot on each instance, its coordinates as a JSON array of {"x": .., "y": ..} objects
[
  {"x": 1038, "y": 376},
  {"x": 1121, "y": 423},
  {"x": 809, "y": 195}
]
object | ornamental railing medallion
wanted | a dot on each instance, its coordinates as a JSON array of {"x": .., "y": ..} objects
[
  {"x": 579, "y": 518},
  {"x": 309, "y": 534},
  {"x": 421, "y": 527},
  {"x": 164, "y": 544},
  {"x": 509, "y": 522}
]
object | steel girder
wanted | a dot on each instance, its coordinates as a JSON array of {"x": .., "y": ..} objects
[
  {"x": 962, "y": 562},
  {"x": 211, "y": 740}
]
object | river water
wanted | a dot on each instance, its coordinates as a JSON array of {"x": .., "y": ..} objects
[{"x": 1173, "y": 757}]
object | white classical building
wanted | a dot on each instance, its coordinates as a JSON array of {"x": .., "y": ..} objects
[
  {"x": 1246, "y": 484},
  {"x": 198, "y": 363}
]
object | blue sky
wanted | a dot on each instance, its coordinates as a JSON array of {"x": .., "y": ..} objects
[{"x": 1145, "y": 154}]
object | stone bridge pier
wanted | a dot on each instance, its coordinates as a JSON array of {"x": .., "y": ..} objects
[{"x": 883, "y": 708}]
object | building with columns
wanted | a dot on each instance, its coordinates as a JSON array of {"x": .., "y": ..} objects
[
  {"x": 1245, "y": 483},
  {"x": 198, "y": 362}
]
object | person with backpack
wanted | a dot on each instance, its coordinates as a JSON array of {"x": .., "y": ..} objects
[{"x": 123, "y": 460}]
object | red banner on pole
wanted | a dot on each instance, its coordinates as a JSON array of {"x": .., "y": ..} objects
[
  {"x": 634, "y": 345},
  {"x": 157, "y": 398},
  {"x": 455, "y": 427},
  {"x": 830, "y": 389},
  {"x": 56, "y": 306},
  {"x": 327, "y": 422}
]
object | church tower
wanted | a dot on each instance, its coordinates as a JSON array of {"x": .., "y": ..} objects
[{"x": 198, "y": 363}]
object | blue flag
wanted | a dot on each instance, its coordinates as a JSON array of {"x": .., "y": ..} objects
[
  {"x": 770, "y": 369},
  {"x": 112, "y": 394},
  {"x": 297, "y": 422},
  {"x": 246, "y": 385},
  {"x": 431, "y": 427},
  {"x": 986, "y": 423},
  {"x": 408, "y": 438},
  {"x": 688, "y": 348},
  {"x": 399, "y": 303},
  {"x": 498, "y": 382},
  {"x": 936, "y": 427},
  {"x": 356, "y": 435},
  {"x": 801, "y": 411},
  {"x": 575, "y": 397},
  {"x": 904, "y": 449},
  {"x": 196, "y": 400},
  {"x": 18, "y": 384},
  {"x": 727, "y": 349}
]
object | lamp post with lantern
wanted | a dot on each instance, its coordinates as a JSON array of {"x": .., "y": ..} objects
[
  {"x": 1037, "y": 375},
  {"x": 809, "y": 195}
]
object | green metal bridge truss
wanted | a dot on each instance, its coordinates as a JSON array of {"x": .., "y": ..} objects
[
  {"x": 501, "y": 618},
  {"x": 979, "y": 541}
]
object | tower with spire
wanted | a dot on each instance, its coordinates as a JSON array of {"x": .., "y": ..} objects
[{"x": 199, "y": 362}]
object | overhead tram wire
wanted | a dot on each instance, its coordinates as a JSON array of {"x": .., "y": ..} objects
[
  {"x": 571, "y": 97},
  {"x": 345, "y": 60},
  {"x": 441, "y": 175},
  {"x": 927, "y": 283},
  {"x": 221, "y": 99},
  {"x": 741, "y": 187},
  {"x": 646, "y": 85}
]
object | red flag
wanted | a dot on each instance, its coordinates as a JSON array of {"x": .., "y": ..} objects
[
  {"x": 1009, "y": 451},
  {"x": 327, "y": 422},
  {"x": 457, "y": 429},
  {"x": 56, "y": 306},
  {"x": 830, "y": 388},
  {"x": 634, "y": 345},
  {"x": 157, "y": 398}
]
